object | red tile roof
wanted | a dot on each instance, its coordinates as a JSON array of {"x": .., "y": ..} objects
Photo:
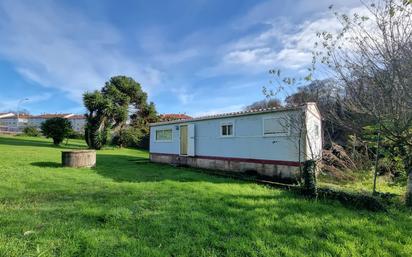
[{"x": 174, "y": 116}]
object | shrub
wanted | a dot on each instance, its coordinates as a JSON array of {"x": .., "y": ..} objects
[
  {"x": 56, "y": 128},
  {"x": 127, "y": 136},
  {"x": 31, "y": 131}
]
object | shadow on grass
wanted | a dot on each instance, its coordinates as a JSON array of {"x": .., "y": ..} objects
[
  {"x": 137, "y": 169},
  {"x": 19, "y": 141},
  {"x": 46, "y": 164}
]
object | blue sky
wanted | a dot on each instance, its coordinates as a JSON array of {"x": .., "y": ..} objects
[{"x": 193, "y": 56}]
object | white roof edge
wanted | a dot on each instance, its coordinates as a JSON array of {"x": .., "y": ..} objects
[
  {"x": 233, "y": 114},
  {"x": 68, "y": 115},
  {"x": 7, "y": 115}
]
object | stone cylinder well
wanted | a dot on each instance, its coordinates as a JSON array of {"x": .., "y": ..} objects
[{"x": 79, "y": 158}]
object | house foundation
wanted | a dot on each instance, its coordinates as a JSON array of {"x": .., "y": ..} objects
[{"x": 278, "y": 170}]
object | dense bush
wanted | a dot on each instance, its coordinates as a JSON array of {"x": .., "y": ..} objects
[
  {"x": 144, "y": 142},
  {"x": 31, "y": 131},
  {"x": 127, "y": 136},
  {"x": 56, "y": 128}
]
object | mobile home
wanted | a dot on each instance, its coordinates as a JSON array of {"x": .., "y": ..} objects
[{"x": 272, "y": 142}]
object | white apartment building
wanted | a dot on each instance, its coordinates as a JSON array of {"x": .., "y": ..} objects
[{"x": 9, "y": 122}]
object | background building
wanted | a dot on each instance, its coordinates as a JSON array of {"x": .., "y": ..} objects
[{"x": 15, "y": 123}]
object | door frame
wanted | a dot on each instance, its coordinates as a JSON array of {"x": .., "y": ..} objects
[{"x": 187, "y": 139}]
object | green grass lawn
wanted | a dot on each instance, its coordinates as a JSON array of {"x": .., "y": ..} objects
[{"x": 127, "y": 206}]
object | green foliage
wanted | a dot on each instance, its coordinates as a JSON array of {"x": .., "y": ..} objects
[
  {"x": 99, "y": 111},
  {"x": 108, "y": 108},
  {"x": 390, "y": 154},
  {"x": 408, "y": 196},
  {"x": 56, "y": 128},
  {"x": 145, "y": 115},
  {"x": 127, "y": 206},
  {"x": 127, "y": 136},
  {"x": 31, "y": 131}
]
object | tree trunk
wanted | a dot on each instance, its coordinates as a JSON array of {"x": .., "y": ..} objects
[
  {"x": 309, "y": 179},
  {"x": 56, "y": 141},
  {"x": 409, "y": 190},
  {"x": 408, "y": 168},
  {"x": 375, "y": 173}
]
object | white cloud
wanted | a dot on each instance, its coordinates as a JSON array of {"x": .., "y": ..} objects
[
  {"x": 281, "y": 45},
  {"x": 226, "y": 109},
  {"x": 60, "y": 48},
  {"x": 264, "y": 11},
  {"x": 184, "y": 94}
]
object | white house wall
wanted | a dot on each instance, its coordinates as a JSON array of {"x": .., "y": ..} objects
[
  {"x": 314, "y": 139},
  {"x": 248, "y": 141}
]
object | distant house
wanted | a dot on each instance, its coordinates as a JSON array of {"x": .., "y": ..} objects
[
  {"x": 6, "y": 114},
  {"x": 11, "y": 122},
  {"x": 78, "y": 122},
  {"x": 272, "y": 142},
  {"x": 37, "y": 120},
  {"x": 174, "y": 116}
]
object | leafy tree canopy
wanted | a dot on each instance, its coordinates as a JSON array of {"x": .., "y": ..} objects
[
  {"x": 56, "y": 128},
  {"x": 108, "y": 109}
]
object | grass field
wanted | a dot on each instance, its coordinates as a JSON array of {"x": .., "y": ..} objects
[{"x": 127, "y": 206}]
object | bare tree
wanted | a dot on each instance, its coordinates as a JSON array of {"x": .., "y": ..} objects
[
  {"x": 370, "y": 58},
  {"x": 263, "y": 104}
]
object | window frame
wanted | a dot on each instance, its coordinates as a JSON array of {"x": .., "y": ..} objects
[
  {"x": 226, "y": 123},
  {"x": 163, "y": 141},
  {"x": 282, "y": 134}
]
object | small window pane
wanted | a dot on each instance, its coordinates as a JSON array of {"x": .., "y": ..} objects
[
  {"x": 164, "y": 135},
  {"x": 275, "y": 126},
  {"x": 224, "y": 130},
  {"x": 229, "y": 130},
  {"x": 317, "y": 130}
]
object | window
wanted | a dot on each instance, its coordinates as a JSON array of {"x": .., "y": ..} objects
[
  {"x": 164, "y": 135},
  {"x": 275, "y": 127},
  {"x": 226, "y": 129},
  {"x": 317, "y": 130}
]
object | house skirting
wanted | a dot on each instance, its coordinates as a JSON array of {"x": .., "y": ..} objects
[{"x": 277, "y": 169}]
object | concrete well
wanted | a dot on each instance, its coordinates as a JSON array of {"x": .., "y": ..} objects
[{"x": 79, "y": 158}]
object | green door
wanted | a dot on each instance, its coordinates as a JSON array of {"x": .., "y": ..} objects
[{"x": 183, "y": 140}]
